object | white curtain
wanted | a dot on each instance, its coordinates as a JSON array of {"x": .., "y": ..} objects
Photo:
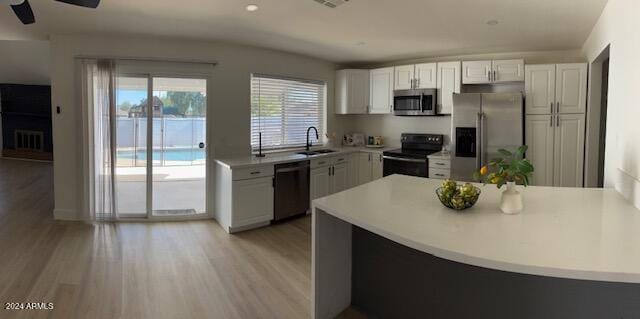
[{"x": 98, "y": 86}]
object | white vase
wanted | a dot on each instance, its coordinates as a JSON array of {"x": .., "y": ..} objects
[{"x": 511, "y": 202}]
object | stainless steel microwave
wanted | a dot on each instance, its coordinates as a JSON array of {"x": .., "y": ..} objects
[{"x": 414, "y": 102}]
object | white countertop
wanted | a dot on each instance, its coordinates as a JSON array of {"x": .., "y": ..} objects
[
  {"x": 440, "y": 155},
  {"x": 285, "y": 157},
  {"x": 590, "y": 234}
]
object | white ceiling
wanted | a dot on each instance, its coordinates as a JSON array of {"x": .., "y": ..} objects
[{"x": 390, "y": 29}]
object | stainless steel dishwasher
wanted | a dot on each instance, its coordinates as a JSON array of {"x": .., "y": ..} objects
[{"x": 291, "y": 190}]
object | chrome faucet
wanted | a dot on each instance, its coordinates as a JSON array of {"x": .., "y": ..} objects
[{"x": 317, "y": 137}]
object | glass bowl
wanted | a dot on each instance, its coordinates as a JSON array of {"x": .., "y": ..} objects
[{"x": 457, "y": 201}]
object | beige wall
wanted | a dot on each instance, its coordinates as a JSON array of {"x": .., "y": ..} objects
[
  {"x": 619, "y": 27},
  {"x": 228, "y": 108},
  {"x": 24, "y": 62}
]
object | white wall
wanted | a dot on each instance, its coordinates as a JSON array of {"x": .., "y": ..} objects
[
  {"x": 228, "y": 109},
  {"x": 619, "y": 26},
  {"x": 24, "y": 62}
]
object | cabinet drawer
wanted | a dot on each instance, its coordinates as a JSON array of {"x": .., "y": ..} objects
[
  {"x": 439, "y": 163},
  {"x": 340, "y": 159},
  {"x": 320, "y": 162},
  {"x": 252, "y": 172},
  {"x": 439, "y": 173}
]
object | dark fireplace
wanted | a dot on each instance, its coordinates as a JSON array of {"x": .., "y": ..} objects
[{"x": 26, "y": 121}]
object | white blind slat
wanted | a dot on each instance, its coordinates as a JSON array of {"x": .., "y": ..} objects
[{"x": 282, "y": 109}]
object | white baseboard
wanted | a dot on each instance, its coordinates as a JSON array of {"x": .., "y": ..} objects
[
  {"x": 65, "y": 214},
  {"x": 629, "y": 187}
]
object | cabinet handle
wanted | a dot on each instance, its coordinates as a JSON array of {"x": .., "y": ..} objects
[
  {"x": 441, "y": 175},
  {"x": 495, "y": 75},
  {"x": 557, "y": 107},
  {"x": 441, "y": 164},
  {"x": 551, "y": 109},
  {"x": 551, "y": 121},
  {"x": 333, "y": 170},
  {"x": 417, "y": 82},
  {"x": 254, "y": 173},
  {"x": 489, "y": 75},
  {"x": 329, "y": 170}
]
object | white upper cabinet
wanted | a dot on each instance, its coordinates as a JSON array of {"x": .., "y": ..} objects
[
  {"x": 352, "y": 91},
  {"x": 540, "y": 88},
  {"x": 508, "y": 71},
  {"x": 448, "y": 82},
  {"x": 571, "y": 88},
  {"x": 476, "y": 72},
  {"x": 425, "y": 76},
  {"x": 496, "y": 71},
  {"x": 404, "y": 77},
  {"x": 381, "y": 90},
  {"x": 568, "y": 150}
]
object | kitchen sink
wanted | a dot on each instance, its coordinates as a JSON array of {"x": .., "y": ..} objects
[{"x": 316, "y": 152}]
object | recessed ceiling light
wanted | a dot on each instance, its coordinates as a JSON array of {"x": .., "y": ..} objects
[
  {"x": 252, "y": 7},
  {"x": 492, "y": 22}
]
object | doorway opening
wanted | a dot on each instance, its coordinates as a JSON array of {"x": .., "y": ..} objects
[{"x": 597, "y": 121}]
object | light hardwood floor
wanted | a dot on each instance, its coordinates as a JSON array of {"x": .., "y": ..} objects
[{"x": 143, "y": 270}]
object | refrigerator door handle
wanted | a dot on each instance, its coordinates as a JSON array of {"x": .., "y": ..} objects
[
  {"x": 483, "y": 157},
  {"x": 478, "y": 140}
]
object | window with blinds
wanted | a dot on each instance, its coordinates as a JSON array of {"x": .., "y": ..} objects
[{"x": 283, "y": 108}]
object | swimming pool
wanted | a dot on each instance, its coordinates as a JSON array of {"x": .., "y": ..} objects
[{"x": 183, "y": 155}]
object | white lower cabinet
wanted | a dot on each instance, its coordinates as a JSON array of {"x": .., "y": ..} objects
[
  {"x": 320, "y": 182},
  {"x": 556, "y": 149},
  {"x": 340, "y": 178},
  {"x": 330, "y": 178},
  {"x": 376, "y": 166},
  {"x": 252, "y": 201},
  {"x": 439, "y": 166},
  {"x": 370, "y": 167},
  {"x": 364, "y": 168},
  {"x": 243, "y": 197}
]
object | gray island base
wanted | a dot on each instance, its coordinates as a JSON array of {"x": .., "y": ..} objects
[{"x": 389, "y": 251}]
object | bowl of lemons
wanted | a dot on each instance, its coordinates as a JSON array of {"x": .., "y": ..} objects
[{"x": 457, "y": 196}]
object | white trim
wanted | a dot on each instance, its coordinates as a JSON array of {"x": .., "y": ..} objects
[{"x": 66, "y": 214}]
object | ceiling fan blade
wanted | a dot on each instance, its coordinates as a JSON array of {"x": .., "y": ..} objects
[
  {"x": 24, "y": 12},
  {"x": 83, "y": 3}
]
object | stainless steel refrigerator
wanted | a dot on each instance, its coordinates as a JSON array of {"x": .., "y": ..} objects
[{"x": 483, "y": 123}]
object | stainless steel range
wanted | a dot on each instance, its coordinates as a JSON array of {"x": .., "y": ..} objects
[{"x": 411, "y": 159}]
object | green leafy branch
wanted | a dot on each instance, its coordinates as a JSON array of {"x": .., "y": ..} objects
[{"x": 512, "y": 167}]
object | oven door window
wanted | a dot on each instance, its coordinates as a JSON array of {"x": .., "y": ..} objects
[
  {"x": 409, "y": 167},
  {"x": 406, "y": 103}
]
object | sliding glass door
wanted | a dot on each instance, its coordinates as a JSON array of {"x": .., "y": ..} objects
[
  {"x": 160, "y": 146},
  {"x": 179, "y": 157}
]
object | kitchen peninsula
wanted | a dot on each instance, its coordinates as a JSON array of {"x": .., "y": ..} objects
[{"x": 391, "y": 249}]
